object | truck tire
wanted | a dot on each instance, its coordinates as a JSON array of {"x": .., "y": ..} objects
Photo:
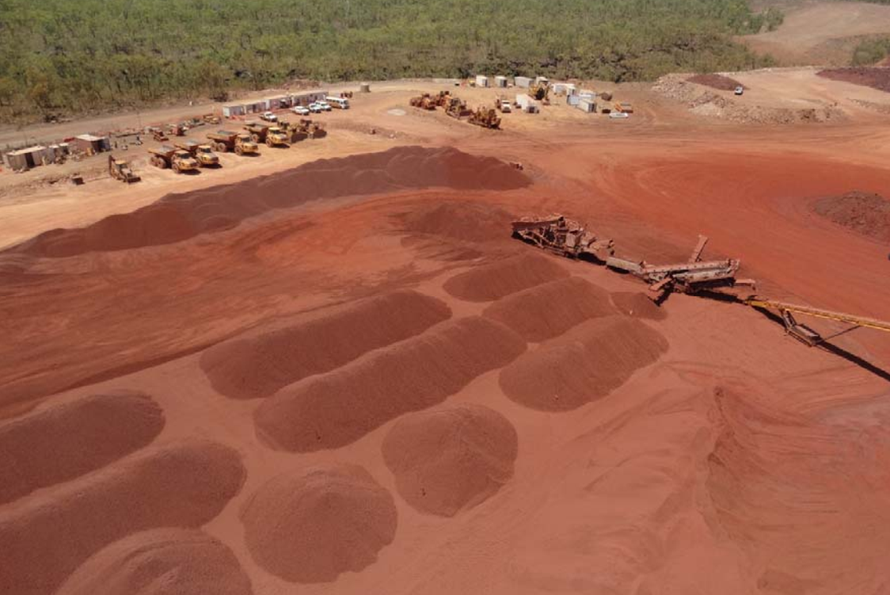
[
  {"x": 221, "y": 147},
  {"x": 255, "y": 138},
  {"x": 238, "y": 150},
  {"x": 176, "y": 168}
]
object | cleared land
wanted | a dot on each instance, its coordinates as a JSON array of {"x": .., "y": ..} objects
[
  {"x": 343, "y": 376},
  {"x": 822, "y": 33}
]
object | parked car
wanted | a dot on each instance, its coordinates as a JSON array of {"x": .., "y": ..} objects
[
  {"x": 302, "y": 110},
  {"x": 618, "y": 115},
  {"x": 739, "y": 90},
  {"x": 315, "y": 108},
  {"x": 269, "y": 117},
  {"x": 324, "y": 105}
]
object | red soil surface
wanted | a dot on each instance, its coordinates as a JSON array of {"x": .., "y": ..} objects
[
  {"x": 867, "y": 76},
  {"x": 585, "y": 364},
  {"x": 548, "y": 310},
  {"x": 716, "y": 81},
  {"x": 337, "y": 408},
  {"x": 312, "y": 525},
  {"x": 450, "y": 459},
  {"x": 865, "y": 214},
  {"x": 179, "y": 217},
  {"x": 161, "y": 562},
  {"x": 638, "y": 305},
  {"x": 500, "y": 279},
  {"x": 63, "y": 442},
  {"x": 46, "y": 538},
  {"x": 270, "y": 358},
  {"x": 788, "y": 488},
  {"x": 464, "y": 221}
]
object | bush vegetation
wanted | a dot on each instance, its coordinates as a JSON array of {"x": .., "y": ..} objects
[{"x": 60, "y": 56}]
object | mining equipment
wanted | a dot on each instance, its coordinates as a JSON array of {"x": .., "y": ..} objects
[
  {"x": 805, "y": 334},
  {"x": 239, "y": 142},
  {"x": 623, "y": 107},
  {"x": 202, "y": 153},
  {"x": 176, "y": 129},
  {"x": 457, "y": 108},
  {"x": 120, "y": 170},
  {"x": 179, "y": 160},
  {"x": 686, "y": 277},
  {"x": 159, "y": 135},
  {"x": 273, "y": 136},
  {"x": 539, "y": 91},
  {"x": 563, "y": 236},
  {"x": 425, "y": 101},
  {"x": 485, "y": 117}
]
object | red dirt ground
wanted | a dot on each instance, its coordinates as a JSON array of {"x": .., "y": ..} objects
[
  {"x": 689, "y": 449},
  {"x": 865, "y": 214},
  {"x": 716, "y": 81},
  {"x": 876, "y": 77}
]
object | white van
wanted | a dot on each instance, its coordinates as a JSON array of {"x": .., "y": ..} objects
[{"x": 338, "y": 102}]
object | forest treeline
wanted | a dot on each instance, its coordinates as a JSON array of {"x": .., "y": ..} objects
[{"x": 59, "y": 57}]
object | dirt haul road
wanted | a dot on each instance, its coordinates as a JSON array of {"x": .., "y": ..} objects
[{"x": 344, "y": 377}]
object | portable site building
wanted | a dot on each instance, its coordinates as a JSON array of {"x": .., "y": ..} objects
[
  {"x": 573, "y": 99},
  {"x": 526, "y": 103},
  {"x": 481, "y": 80},
  {"x": 522, "y": 81},
  {"x": 500, "y": 81},
  {"x": 587, "y": 105},
  {"x": 308, "y": 97},
  {"x": 25, "y": 159},
  {"x": 231, "y": 111},
  {"x": 91, "y": 144}
]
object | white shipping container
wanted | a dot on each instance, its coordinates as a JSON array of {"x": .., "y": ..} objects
[
  {"x": 573, "y": 99},
  {"x": 481, "y": 80},
  {"x": 587, "y": 106},
  {"x": 522, "y": 81},
  {"x": 500, "y": 81},
  {"x": 527, "y": 104}
]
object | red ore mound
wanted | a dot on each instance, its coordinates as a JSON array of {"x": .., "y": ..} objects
[
  {"x": 583, "y": 365},
  {"x": 62, "y": 442},
  {"x": 637, "y": 305},
  {"x": 263, "y": 361},
  {"x": 313, "y": 525},
  {"x": 862, "y": 213},
  {"x": 178, "y": 217},
  {"x": 335, "y": 409},
  {"x": 716, "y": 81},
  {"x": 493, "y": 281},
  {"x": 161, "y": 562},
  {"x": 48, "y": 536},
  {"x": 458, "y": 220},
  {"x": 450, "y": 459},
  {"x": 551, "y": 309}
]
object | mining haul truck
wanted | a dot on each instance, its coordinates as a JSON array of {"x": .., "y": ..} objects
[
  {"x": 273, "y": 136},
  {"x": 239, "y": 142},
  {"x": 202, "y": 153},
  {"x": 179, "y": 160}
]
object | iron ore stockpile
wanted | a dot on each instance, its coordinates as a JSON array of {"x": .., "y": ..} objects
[{"x": 346, "y": 377}]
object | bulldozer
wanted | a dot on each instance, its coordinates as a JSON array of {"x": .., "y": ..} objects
[
  {"x": 179, "y": 160},
  {"x": 203, "y": 154},
  {"x": 239, "y": 142},
  {"x": 457, "y": 108},
  {"x": 120, "y": 170},
  {"x": 273, "y": 136},
  {"x": 425, "y": 101},
  {"x": 485, "y": 117}
]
